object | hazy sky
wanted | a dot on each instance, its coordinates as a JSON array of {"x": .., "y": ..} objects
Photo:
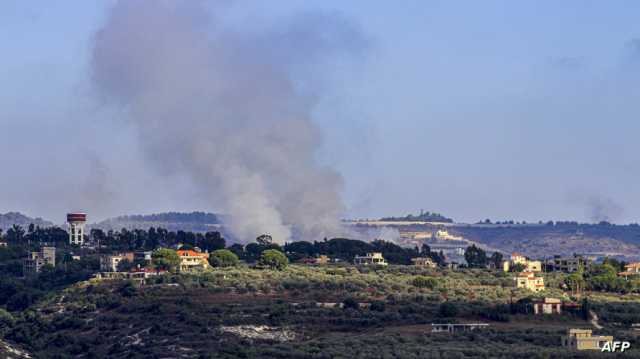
[{"x": 476, "y": 109}]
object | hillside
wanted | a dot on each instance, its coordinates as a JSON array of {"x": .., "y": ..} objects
[
  {"x": 534, "y": 240},
  {"x": 558, "y": 239},
  {"x": 302, "y": 312},
  {"x": 172, "y": 221},
  {"x": 10, "y": 218}
]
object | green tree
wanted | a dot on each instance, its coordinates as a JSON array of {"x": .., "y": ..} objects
[
  {"x": 425, "y": 282},
  {"x": 350, "y": 303},
  {"x": 165, "y": 258},
  {"x": 496, "y": 258},
  {"x": 517, "y": 268},
  {"x": 602, "y": 277},
  {"x": 274, "y": 259},
  {"x": 125, "y": 265},
  {"x": 6, "y": 321},
  {"x": 448, "y": 310},
  {"x": 475, "y": 257},
  {"x": 575, "y": 282},
  {"x": 223, "y": 258},
  {"x": 15, "y": 234},
  {"x": 213, "y": 241}
]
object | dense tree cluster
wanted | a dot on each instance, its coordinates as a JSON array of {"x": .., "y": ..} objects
[
  {"x": 153, "y": 238},
  {"x": 422, "y": 217}
]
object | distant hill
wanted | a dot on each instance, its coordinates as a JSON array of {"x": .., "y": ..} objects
[
  {"x": 173, "y": 221},
  {"x": 8, "y": 219},
  {"x": 422, "y": 217},
  {"x": 538, "y": 240}
]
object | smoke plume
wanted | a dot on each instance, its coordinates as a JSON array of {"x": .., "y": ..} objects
[
  {"x": 603, "y": 209},
  {"x": 229, "y": 108}
]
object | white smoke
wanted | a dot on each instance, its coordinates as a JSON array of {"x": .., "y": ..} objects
[{"x": 224, "y": 107}]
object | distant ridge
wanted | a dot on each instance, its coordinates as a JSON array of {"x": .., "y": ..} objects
[
  {"x": 422, "y": 217},
  {"x": 8, "y": 219},
  {"x": 173, "y": 221}
]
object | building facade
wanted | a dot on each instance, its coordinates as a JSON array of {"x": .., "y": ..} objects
[
  {"x": 582, "y": 339},
  {"x": 374, "y": 258},
  {"x": 36, "y": 260},
  {"x": 547, "y": 306},
  {"x": 109, "y": 263},
  {"x": 569, "y": 264},
  {"x": 519, "y": 259},
  {"x": 528, "y": 280},
  {"x": 423, "y": 262},
  {"x": 192, "y": 260},
  {"x": 630, "y": 270}
]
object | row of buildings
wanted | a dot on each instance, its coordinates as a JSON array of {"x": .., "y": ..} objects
[
  {"x": 189, "y": 260},
  {"x": 555, "y": 264}
]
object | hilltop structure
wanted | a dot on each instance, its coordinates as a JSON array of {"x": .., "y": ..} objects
[{"x": 76, "y": 223}]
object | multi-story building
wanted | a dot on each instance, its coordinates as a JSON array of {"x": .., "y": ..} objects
[
  {"x": 374, "y": 258},
  {"x": 423, "y": 262},
  {"x": 192, "y": 260},
  {"x": 528, "y": 280},
  {"x": 631, "y": 270},
  {"x": 109, "y": 263},
  {"x": 519, "y": 259},
  {"x": 582, "y": 339},
  {"x": 568, "y": 264},
  {"x": 36, "y": 260}
]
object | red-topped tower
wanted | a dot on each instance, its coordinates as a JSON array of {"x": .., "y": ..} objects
[{"x": 76, "y": 222}]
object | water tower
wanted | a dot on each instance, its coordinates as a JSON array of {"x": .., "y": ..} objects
[{"x": 76, "y": 227}]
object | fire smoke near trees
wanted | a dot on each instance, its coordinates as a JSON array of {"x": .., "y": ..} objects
[{"x": 225, "y": 107}]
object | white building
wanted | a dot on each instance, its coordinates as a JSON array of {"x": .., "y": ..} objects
[{"x": 374, "y": 258}]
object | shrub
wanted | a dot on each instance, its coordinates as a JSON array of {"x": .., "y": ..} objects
[
  {"x": 378, "y": 306},
  {"x": 6, "y": 321},
  {"x": 425, "y": 282},
  {"x": 448, "y": 309},
  {"x": 165, "y": 258},
  {"x": 350, "y": 303},
  {"x": 274, "y": 259},
  {"x": 223, "y": 258}
]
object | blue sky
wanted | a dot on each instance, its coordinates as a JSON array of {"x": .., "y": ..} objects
[{"x": 521, "y": 110}]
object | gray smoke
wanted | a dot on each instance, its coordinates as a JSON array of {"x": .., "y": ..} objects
[
  {"x": 603, "y": 209},
  {"x": 231, "y": 109}
]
